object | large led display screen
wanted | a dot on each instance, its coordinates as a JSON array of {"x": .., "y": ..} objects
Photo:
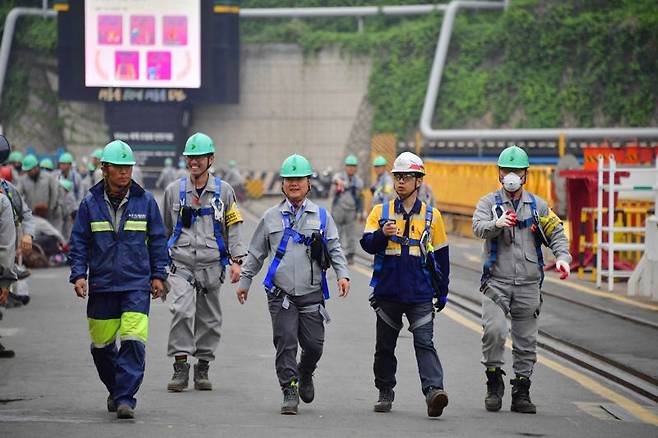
[{"x": 142, "y": 43}]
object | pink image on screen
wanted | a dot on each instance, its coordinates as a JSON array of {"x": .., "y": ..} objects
[
  {"x": 158, "y": 66},
  {"x": 110, "y": 29},
  {"x": 174, "y": 28},
  {"x": 142, "y": 30},
  {"x": 126, "y": 66}
]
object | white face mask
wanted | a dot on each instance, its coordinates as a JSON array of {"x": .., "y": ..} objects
[{"x": 512, "y": 182}]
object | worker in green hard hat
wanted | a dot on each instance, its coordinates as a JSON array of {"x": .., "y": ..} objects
[
  {"x": 66, "y": 171},
  {"x": 167, "y": 174},
  {"x": 514, "y": 224},
  {"x": 118, "y": 257},
  {"x": 39, "y": 189},
  {"x": 347, "y": 204},
  {"x": 15, "y": 160},
  {"x": 382, "y": 190},
  {"x": 204, "y": 226},
  {"x": 47, "y": 165},
  {"x": 95, "y": 160},
  {"x": 295, "y": 283}
]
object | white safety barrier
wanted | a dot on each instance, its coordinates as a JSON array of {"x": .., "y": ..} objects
[{"x": 644, "y": 280}]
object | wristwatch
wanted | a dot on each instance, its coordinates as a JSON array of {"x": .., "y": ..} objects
[{"x": 237, "y": 260}]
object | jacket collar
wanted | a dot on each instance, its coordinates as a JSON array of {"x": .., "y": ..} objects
[
  {"x": 309, "y": 206},
  {"x": 98, "y": 190},
  {"x": 525, "y": 196},
  {"x": 399, "y": 208},
  {"x": 210, "y": 184}
]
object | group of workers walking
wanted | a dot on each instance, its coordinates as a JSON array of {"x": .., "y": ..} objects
[{"x": 125, "y": 250}]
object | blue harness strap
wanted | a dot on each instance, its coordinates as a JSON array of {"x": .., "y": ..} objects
[
  {"x": 379, "y": 257},
  {"x": 207, "y": 211},
  {"x": 493, "y": 245},
  {"x": 300, "y": 239}
]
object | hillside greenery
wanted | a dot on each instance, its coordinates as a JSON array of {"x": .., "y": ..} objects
[{"x": 542, "y": 63}]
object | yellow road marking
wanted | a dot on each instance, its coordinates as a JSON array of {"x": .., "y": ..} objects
[
  {"x": 587, "y": 290},
  {"x": 587, "y": 382}
]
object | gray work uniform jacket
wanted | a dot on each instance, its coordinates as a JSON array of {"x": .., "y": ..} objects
[
  {"x": 196, "y": 247},
  {"x": 384, "y": 190},
  {"x": 44, "y": 190},
  {"x": 345, "y": 200},
  {"x": 517, "y": 261},
  {"x": 21, "y": 209},
  {"x": 294, "y": 272},
  {"x": 7, "y": 243}
]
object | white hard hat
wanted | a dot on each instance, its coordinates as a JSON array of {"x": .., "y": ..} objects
[{"x": 407, "y": 162}]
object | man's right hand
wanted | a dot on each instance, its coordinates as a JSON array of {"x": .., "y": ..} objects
[
  {"x": 80, "y": 287},
  {"x": 507, "y": 220},
  {"x": 242, "y": 294},
  {"x": 390, "y": 229}
]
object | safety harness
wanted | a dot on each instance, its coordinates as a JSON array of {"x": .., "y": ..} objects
[
  {"x": 216, "y": 210},
  {"x": 527, "y": 223},
  {"x": 403, "y": 241},
  {"x": 300, "y": 239},
  {"x": 10, "y": 196}
]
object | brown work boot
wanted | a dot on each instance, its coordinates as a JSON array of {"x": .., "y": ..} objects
[
  {"x": 436, "y": 400},
  {"x": 181, "y": 378}
]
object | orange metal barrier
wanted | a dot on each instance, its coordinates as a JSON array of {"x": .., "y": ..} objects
[{"x": 459, "y": 185}]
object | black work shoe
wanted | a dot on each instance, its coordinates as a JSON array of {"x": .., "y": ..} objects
[
  {"x": 125, "y": 412},
  {"x": 436, "y": 400},
  {"x": 111, "y": 404},
  {"x": 6, "y": 354},
  {"x": 290, "y": 399},
  {"x": 521, "y": 396},
  {"x": 201, "y": 382},
  {"x": 306, "y": 388},
  {"x": 385, "y": 402},
  {"x": 181, "y": 378},
  {"x": 495, "y": 389}
]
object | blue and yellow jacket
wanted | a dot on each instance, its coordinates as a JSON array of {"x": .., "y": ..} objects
[
  {"x": 402, "y": 277},
  {"x": 120, "y": 261}
]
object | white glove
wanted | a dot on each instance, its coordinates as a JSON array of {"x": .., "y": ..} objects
[
  {"x": 508, "y": 219},
  {"x": 563, "y": 268}
]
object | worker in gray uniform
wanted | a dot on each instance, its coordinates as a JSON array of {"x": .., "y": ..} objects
[
  {"x": 347, "y": 205},
  {"x": 382, "y": 190},
  {"x": 39, "y": 189},
  {"x": 167, "y": 175},
  {"x": 515, "y": 224},
  {"x": 301, "y": 240},
  {"x": 203, "y": 223}
]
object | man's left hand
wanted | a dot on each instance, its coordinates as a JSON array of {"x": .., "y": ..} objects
[
  {"x": 343, "y": 287},
  {"x": 26, "y": 243},
  {"x": 563, "y": 268},
  {"x": 235, "y": 272},
  {"x": 157, "y": 287}
]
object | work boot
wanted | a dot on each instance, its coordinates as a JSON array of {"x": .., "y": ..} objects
[
  {"x": 306, "y": 388},
  {"x": 125, "y": 412},
  {"x": 111, "y": 404},
  {"x": 181, "y": 377},
  {"x": 436, "y": 400},
  {"x": 495, "y": 389},
  {"x": 521, "y": 396},
  {"x": 290, "y": 399},
  {"x": 6, "y": 354},
  {"x": 385, "y": 402},
  {"x": 201, "y": 381}
]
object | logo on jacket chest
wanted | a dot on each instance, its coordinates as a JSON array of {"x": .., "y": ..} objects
[{"x": 136, "y": 216}]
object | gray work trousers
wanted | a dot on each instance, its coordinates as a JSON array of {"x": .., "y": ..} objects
[
  {"x": 197, "y": 316},
  {"x": 522, "y": 303},
  {"x": 296, "y": 320},
  {"x": 346, "y": 222}
]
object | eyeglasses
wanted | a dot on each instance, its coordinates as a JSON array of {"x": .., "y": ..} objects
[{"x": 403, "y": 177}]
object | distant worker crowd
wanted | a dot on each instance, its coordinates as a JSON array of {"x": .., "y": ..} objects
[{"x": 124, "y": 249}]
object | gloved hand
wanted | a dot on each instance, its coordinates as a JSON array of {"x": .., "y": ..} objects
[
  {"x": 440, "y": 302},
  {"x": 563, "y": 268},
  {"x": 507, "y": 220}
]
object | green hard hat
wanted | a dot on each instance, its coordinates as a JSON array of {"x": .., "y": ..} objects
[
  {"x": 98, "y": 153},
  {"x": 295, "y": 166},
  {"x": 168, "y": 162},
  {"x": 513, "y": 157},
  {"x": 66, "y": 158},
  {"x": 199, "y": 144},
  {"x": 15, "y": 157},
  {"x": 91, "y": 167},
  {"x": 118, "y": 152},
  {"x": 29, "y": 163},
  {"x": 231, "y": 164},
  {"x": 46, "y": 163},
  {"x": 67, "y": 184},
  {"x": 351, "y": 160},
  {"x": 379, "y": 161}
]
